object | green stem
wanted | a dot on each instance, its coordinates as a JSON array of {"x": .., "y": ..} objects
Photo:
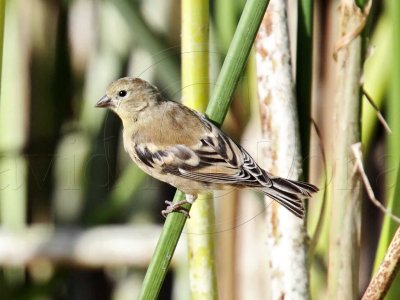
[
  {"x": 304, "y": 75},
  {"x": 393, "y": 145},
  {"x": 235, "y": 60},
  {"x": 217, "y": 109}
]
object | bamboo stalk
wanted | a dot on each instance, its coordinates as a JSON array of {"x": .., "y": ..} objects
[
  {"x": 195, "y": 79},
  {"x": 345, "y": 228},
  {"x": 286, "y": 234},
  {"x": 195, "y": 94},
  {"x": 216, "y": 111}
]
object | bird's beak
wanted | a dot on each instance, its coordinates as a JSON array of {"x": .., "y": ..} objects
[{"x": 104, "y": 101}]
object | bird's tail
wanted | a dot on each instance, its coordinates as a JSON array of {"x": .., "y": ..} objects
[{"x": 290, "y": 194}]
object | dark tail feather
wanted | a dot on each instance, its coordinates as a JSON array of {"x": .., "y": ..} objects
[{"x": 290, "y": 193}]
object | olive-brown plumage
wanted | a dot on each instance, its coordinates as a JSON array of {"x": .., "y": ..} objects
[{"x": 177, "y": 145}]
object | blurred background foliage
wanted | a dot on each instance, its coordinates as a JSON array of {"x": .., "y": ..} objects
[{"x": 63, "y": 167}]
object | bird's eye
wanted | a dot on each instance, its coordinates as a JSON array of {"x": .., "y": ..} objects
[{"x": 122, "y": 93}]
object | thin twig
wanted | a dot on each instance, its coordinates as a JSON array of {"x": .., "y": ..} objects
[
  {"x": 356, "y": 148},
  {"x": 378, "y": 112},
  {"x": 387, "y": 271}
]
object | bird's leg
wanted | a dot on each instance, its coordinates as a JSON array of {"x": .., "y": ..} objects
[{"x": 177, "y": 206}]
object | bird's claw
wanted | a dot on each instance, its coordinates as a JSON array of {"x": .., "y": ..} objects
[{"x": 175, "y": 207}]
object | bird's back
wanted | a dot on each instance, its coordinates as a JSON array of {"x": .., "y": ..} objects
[{"x": 169, "y": 124}]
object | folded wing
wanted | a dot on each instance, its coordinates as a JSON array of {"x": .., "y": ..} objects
[{"x": 214, "y": 159}]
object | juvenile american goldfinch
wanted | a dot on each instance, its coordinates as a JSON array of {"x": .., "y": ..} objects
[{"x": 175, "y": 144}]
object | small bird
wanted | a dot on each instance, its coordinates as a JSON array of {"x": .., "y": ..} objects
[{"x": 180, "y": 146}]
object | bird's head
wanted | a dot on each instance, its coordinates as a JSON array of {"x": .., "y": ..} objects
[{"x": 127, "y": 96}]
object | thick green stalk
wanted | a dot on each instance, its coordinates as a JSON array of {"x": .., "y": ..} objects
[
  {"x": 304, "y": 75},
  {"x": 195, "y": 94},
  {"x": 216, "y": 110},
  {"x": 195, "y": 80},
  {"x": 235, "y": 60},
  {"x": 393, "y": 144}
]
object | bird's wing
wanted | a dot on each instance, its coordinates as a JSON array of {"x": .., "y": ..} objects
[{"x": 214, "y": 159}]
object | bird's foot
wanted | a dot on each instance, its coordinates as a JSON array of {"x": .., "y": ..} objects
[{"x": 176, "y": 207}]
